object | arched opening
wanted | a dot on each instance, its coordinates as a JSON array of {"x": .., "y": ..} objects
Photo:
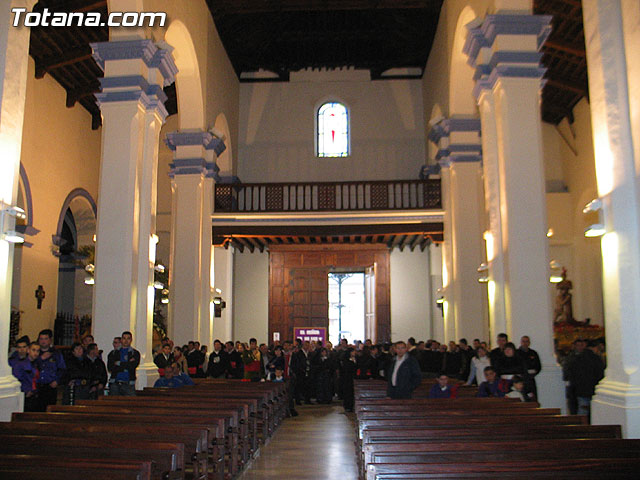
[
  {"x": 75, "y": 249},
  {"x": 461, "y": 101},
  {"x": 188, "y": 84}
]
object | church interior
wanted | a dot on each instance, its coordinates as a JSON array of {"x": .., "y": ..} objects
[{"x": 472, "y": 163}]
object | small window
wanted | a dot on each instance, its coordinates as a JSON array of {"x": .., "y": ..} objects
[{"x": 333, "y": 130}]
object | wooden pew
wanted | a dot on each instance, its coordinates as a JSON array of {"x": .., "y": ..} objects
[
  {"x": 21, "y": 467},
  {"x": 167, "y": 458},
  {"x": 246, "y": 418},
  {"x": 619, "y": 468},
  {"x": 195, "y": 438},
  {"x": 504, "y": 450},
  {"x": 221, "y": 424}
]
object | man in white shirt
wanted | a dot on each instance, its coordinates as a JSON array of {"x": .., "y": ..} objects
[{"x": 405, "y": 376}]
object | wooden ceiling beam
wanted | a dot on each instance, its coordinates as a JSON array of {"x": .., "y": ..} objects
[
  {"x": 75, "y": 94},
  {"x": 573, "y": 49},
  {"x": 568, "y": 85},
  {"x": 416, "y": 242}
]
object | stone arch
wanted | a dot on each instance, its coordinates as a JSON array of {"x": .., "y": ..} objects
[
  {"x": 225, "y": 159},
  {"x": 461, "y": 100},
  {"x": 76, "y": 228},
  {"x": 188, "y": 83}
]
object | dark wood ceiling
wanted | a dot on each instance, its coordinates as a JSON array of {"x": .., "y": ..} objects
[
  {"x": 565, "y": 58},
  {"x": 284, "y": 36},
  {"x": 290, "y": 35}
]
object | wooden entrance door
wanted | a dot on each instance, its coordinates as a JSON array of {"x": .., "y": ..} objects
[{"x": 308, "y": 297}]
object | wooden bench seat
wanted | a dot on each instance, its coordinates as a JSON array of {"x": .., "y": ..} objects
[
  {"x": 619, "y": 468},
  {"x": 194, "y": 438},
  {"x": 223, "y": 424},
  {"x": 167, "y": 458},
  {"x": 507, "y": 450},
  {"x": 21, "y": 467}
]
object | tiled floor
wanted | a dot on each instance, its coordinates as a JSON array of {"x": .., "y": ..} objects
[{"x": 316, "y": 445}]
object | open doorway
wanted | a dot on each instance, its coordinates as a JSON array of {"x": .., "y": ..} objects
[{"x": 347, "y": 305}]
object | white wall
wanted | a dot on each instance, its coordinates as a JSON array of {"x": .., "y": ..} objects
[
  {"x": 410, "y": 295},
  {"x": 277, "y": 128},
  {"x": 251, "y": 296}
]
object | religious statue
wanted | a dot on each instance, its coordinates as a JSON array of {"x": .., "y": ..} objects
[
  {"x": 563, "y": 311},
  {"x": 40, "y": 294}
]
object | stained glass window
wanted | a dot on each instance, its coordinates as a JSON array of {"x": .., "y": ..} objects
[{"x": 333, "y": 130}]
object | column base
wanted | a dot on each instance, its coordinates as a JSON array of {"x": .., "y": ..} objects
[
  {"x": 551, "y": 387},
  {"x": 11, "y": 398},
  {"x": 146, "y": 375},
  {"x": 617, "y": 403}
]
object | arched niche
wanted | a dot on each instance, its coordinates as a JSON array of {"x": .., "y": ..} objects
[
  {"x": 76, "y": 229},
  {"x": 461, "y": 100},
  {"x": 188, "y": 83},
  {"x": 225, "y": 159}
]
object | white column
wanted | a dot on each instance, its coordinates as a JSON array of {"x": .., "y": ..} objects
[
  {"x": 223, "y": 258},
  {"x": 504, "y": 50},
  {"x": 147, "y": 372},
  {"x": 206, "y": 309},
  {"x": 612, "y": 33},
  {"x": 435, "y": 267},
  {"x": 493, "y": 234},
  {"x": 133, "y": 112},
  {"x": 14, "y": 60},
  {"x": 448, "y": 292},
  {"x": 185, "y": 270},
  {"x": 459, "y": 151},
  {"x": 193, "y": 172}
]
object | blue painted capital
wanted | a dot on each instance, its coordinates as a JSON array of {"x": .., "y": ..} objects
[
  {"x": 205, "y": 139},
  {"x": 192, "y": 166},
  {"x": 501, "y": 64},
  {"x": 142, "y": 49},
  {"x": 444, "y": 128}
]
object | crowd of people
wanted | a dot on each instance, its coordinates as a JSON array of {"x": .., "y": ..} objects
[{"x": 317, "y": 372}]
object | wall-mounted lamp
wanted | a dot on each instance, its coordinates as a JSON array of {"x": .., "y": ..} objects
[
  {"x": 165, "y": 300},
  {"x": 556, "y": 272},
  {"x": 440, "y": 300},
  {"x": 158, "y": 285},
  {"x": 596, "y": 229},
  {"x": 159, "y": 268},
  {"x": 218, "y": 291},
  {"x": 550, "y": 233},
  {"x": 89, "y": 280},
  {"x": 8, "y": 233},
  {"x": 483, "y": 271}
]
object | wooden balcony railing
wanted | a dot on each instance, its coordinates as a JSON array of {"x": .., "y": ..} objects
[{"x": 328, "y": 196}]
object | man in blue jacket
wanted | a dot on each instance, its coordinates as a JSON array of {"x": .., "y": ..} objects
[
  {"x": 52, "y": 369},
  {"x": 404, "y": 375},
  {"x": 26, "y": 371}
]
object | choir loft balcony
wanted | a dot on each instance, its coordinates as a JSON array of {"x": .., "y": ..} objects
[{"x": 398, "y": 213}]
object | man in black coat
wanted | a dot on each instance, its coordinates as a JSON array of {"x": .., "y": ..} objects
[
  {"x": 532, "y": 363},
  {"x": 218, "y": 361},
  {"x": 98, "y": 371},
  {"x": 404, "y": 374},
  {"x": 585, "y": 371}
]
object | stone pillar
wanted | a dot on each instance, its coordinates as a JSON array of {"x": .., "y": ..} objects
[
  {"x": 504, "y": 51},
  {"x": 132, "y": 106},
  {"x": 448, "y": 292},
  {"x": 612, "y": 33},
  {"x": 224, "y": 281},
  {"x": 192, "y": 173},
  {"x": 14, "y": 60},
  {"x": 460, "y": 154}
]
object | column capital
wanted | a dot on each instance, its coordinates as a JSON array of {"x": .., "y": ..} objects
[
  {"x": 125, "y": 81},
  {"x": 195, "y": 138},
  {"x": 506, "y": 46},
  {"x": 188, "y": 145},
  {"x": 458, "y": 140}
]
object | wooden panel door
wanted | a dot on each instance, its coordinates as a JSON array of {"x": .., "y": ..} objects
[{"x": 308, "y": 298}]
